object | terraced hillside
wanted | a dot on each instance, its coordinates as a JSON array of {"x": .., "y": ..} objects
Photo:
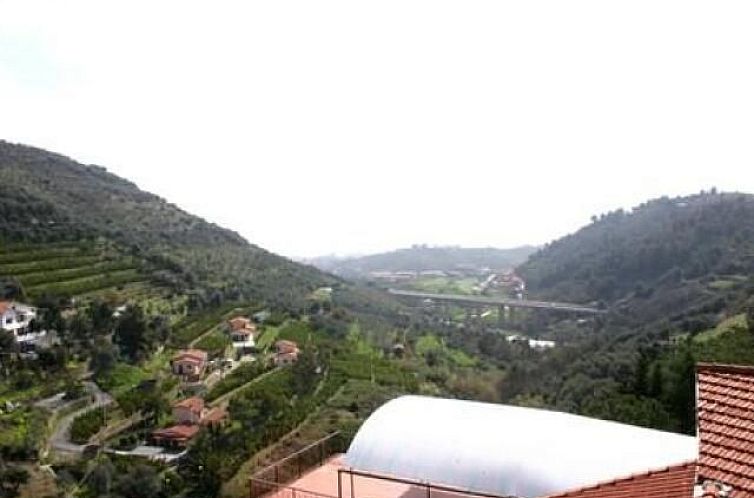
[
  {"x": 71, "y": 269},
  {"x": 50, "y": 199}
]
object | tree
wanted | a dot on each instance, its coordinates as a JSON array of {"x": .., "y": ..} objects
[
  {"x": 11, "y": 479},
  {"x": 305, "y": 372},
  {"x": 101, "y": 477},
  {"x": 202, "y": 468},
  {"x": 131, "y": 333},
  {"x": 656, "y": 381},
  {"x": 103, "y": 358},
  {"x": 51, "y": 318},
  {"x": 101, "y": 316},
  {"x": 7, "y": 343},
  {"x": 141, "y": 481},
  {"x": 750, "y": 316},
  {"x": 80, "y": 328},
  {"x": 683, "y": 392}
]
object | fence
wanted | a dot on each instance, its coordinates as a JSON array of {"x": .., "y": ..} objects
[
  {"x": 347, "y": 487},
  {"x": 273, "y": 478}
]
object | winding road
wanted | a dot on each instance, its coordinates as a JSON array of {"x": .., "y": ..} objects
[{"x": 60, "y": 438}]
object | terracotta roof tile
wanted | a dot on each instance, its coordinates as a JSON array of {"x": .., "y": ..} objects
[
  {"x": 240, "y": 322},
  {"x": 726, "y": 426},
  {"x": 180, "y": 431},
  {"x": 671, "y": 482},
  {"x": 195, "y": 404},
  {"x": 191, "y": 354},
  {"x": 284, "y": 346},
  {"x": 214, "y": 416}
]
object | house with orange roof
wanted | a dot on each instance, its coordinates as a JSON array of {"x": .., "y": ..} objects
[
  {"x": 243, "y": 337},
  {"x": 286, "y": 353},
  {"x": 189, "y": 415},
  {"x": 189, "y": 411},
  {"x": 176, "y": 436},
  {"x": 239, "y": 323},
  {"x": 190, "y": 363}
]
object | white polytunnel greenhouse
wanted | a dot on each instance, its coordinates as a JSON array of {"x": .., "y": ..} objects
[{"x": 506, "y": 450}]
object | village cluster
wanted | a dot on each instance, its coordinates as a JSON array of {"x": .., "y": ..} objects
[{"x": 193, "y": 367}]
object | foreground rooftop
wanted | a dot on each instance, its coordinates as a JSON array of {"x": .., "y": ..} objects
[{"x": 417, "y": 447}]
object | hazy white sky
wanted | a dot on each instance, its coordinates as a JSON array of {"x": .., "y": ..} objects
[{"x": 317, "y": 126}]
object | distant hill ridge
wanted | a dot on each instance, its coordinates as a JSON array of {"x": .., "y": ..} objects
[{"x": 423, "y": 258}]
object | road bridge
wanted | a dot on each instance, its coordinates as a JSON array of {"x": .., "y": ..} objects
[{"x": 496, "y": 301}]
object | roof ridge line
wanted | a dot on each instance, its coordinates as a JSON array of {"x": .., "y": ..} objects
[
  {"x": 617, "y": 480},
  {"x": 724, "y": 368}
]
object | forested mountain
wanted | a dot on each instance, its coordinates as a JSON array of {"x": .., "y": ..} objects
[
  {"x": 686, "y": 237},
  {"x": 675, "y": 276},
  {"x": 46, "y": 197},
  {"x": 422, "y": 257}
]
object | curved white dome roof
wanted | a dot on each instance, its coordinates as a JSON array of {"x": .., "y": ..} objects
[{"x": 506, "y": 450}]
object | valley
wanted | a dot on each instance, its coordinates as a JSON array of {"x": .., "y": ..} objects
[{"x": 146, "y": 345}]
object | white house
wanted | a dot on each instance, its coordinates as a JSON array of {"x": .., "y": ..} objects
[{"x": 16, "y": 318}]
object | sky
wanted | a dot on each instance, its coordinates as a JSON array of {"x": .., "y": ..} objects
[{"x": 350, "y": 127}]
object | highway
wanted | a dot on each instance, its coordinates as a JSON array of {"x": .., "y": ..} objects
[{"x": 496, "y": 301}]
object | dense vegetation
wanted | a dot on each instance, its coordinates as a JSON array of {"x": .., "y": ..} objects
[
  {"x": 669, "y": 272},
  {"x": 683, "y": 238}
]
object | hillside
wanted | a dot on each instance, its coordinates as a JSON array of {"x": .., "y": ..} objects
[
  {"x": 676, "y": 278},
  {"x": 122, "y": 281},
  {"x": 687, "y": 237},
  {"x": 125, "y": 280},
  {"x": 48, "y": 200},
  {"x": 424, "y": 258}
]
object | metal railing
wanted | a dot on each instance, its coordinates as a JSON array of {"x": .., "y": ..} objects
[
  {"x": 273, "y": 478},
  {"x": 427, "y": 488}
]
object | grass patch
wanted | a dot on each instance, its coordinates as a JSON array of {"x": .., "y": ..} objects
[
  {"x": 238, "y": 377},
  {"x": 21, "y": 432},
  {"x": 268, "y": 337},
  {"x": 121, "y": 378},
  {"x": 214, "y": 343},
  {"x": 727, "y": 325},
  {"x": 444, "y": 285}
]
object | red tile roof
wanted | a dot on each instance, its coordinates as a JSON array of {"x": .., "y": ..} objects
[
  {"x": 671, "y": 482},
  {"x": 240, "y": 322},
  {"x": 196, "y": 355},
  {"x": 214, "y": 416},
  {"x": 726, "y": 426},
  {"x": 178, "y": 432},
  {"x": 4, "y": 305},
  {"x": 195, "y": 404},
  {"x": 284, "y": 346}
]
